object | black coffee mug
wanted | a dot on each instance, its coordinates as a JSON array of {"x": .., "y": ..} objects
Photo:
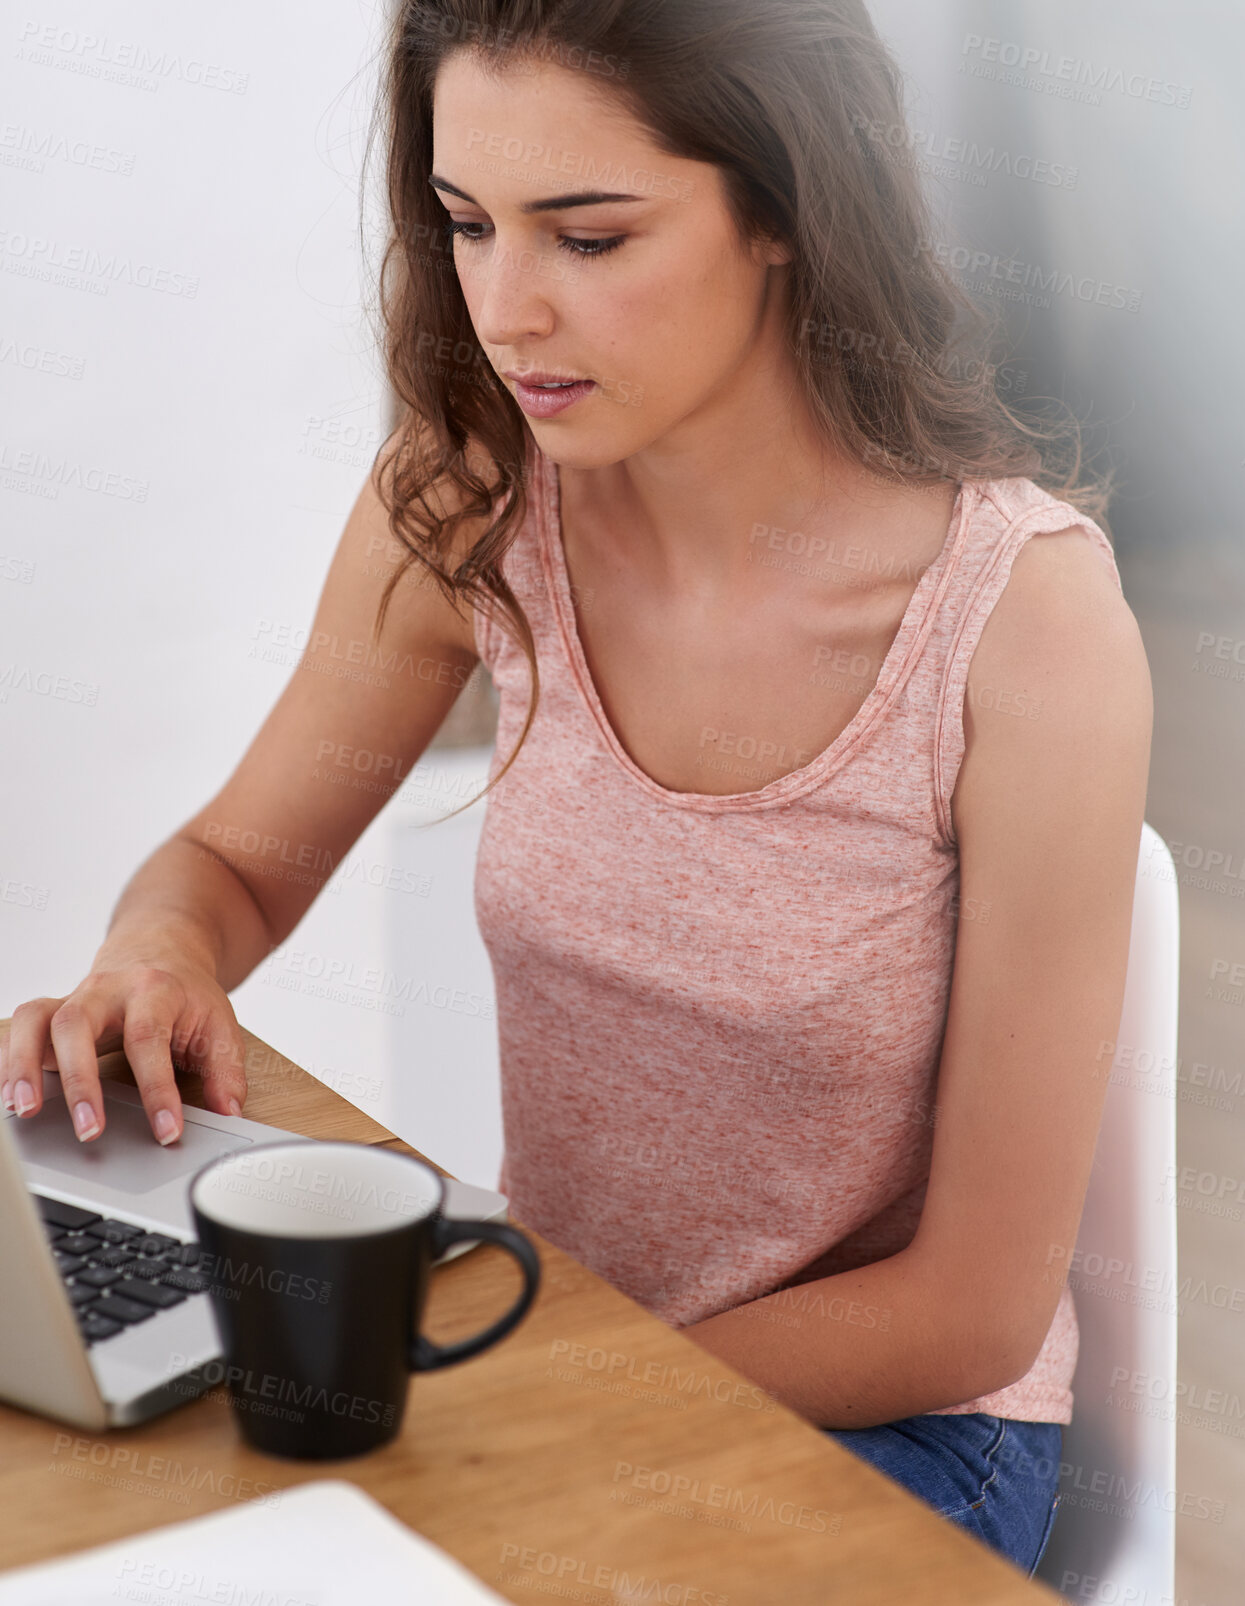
[{"x": 318, "y": 1258}]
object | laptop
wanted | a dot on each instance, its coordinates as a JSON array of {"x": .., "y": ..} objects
[{"x": 104, "y": 1320}]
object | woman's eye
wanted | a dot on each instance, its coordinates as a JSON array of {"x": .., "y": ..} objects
[{"x": 583, "y": 248}]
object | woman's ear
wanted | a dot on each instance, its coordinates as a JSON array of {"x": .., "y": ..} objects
[{"x": 773, "y": 252}]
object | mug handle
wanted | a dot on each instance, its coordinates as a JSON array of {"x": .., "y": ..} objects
[{"x": 425, "y": 1356}]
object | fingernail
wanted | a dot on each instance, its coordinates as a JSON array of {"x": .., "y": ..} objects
[
  {"x": 86, "y": 1123},
  {"x": 234, "y": 1107},
  {"x": 8, "y": 1098},
  {"x": 23, "y": 1097},
  {"x": 166, "y": 1126}
]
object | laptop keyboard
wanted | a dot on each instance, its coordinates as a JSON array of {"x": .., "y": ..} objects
[{"x": 117, "y": 1274}]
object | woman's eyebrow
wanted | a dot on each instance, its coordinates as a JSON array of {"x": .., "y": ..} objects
[{"x": 551, "y": 203}]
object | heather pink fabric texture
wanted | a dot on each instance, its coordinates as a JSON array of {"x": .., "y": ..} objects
[{"x": 720, "y": 1017}]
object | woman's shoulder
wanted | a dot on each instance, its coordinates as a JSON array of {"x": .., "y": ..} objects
[
  {"x": 1060, "y": 589},
  {"x": 1017, "y": 497},
  {"x": 1015, "y": 510}
]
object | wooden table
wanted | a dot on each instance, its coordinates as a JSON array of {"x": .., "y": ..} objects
[{"x": 546, "y": 1465}]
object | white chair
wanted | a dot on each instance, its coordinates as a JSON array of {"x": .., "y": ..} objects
[{"x": 1116, "y": 1521}]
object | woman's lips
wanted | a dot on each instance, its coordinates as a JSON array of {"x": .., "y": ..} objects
[{"x": 537, "y": 403}]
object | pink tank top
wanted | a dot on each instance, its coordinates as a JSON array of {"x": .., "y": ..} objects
[{"x": 721, "y": 1017}]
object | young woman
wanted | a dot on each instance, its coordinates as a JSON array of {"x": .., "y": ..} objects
[{"x": 807, "y": 868}]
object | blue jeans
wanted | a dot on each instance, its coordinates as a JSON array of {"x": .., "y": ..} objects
[{"x": 997, "y": 1478}]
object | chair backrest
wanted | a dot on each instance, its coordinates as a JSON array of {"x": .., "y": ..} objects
[{"x": 1114, "y": 1533}]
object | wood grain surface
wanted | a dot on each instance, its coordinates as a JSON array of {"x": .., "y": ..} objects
[{"x": 595, "y": 1455}]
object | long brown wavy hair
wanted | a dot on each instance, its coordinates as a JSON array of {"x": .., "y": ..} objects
[{"x": 786, "y": 98}]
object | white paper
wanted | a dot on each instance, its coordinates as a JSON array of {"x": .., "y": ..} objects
[{"x": 324, "y": 1543}]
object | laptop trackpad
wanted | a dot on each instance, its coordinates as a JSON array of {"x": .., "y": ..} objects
[{"x": 125, "y": 1156}]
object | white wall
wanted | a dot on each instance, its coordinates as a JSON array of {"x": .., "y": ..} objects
[{"x": 190, "y": 405}]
